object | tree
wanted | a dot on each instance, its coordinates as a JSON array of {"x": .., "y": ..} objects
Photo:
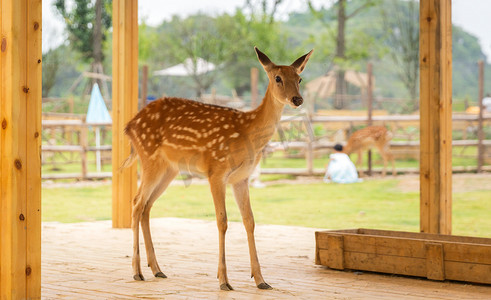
[
  {"x": 193, "y": 37},
  {"x": 401, "y": 24},
  {"x": 343, "y": 15},
  {"x": 51, "y": 62},
  {"x": 241, "y": 32},
  {"x": 87, "y": 24}
]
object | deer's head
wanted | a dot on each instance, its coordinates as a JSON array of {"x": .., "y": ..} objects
[{"x": 284, "y": 81}]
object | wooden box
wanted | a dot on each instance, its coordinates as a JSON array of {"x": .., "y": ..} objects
[{"x": 433, "y": 256}]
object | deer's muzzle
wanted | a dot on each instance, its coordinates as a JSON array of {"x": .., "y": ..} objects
[{"x": 297, "y": 101}]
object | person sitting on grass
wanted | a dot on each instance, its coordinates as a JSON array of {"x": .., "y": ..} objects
[{"x": 340, "y": 168}]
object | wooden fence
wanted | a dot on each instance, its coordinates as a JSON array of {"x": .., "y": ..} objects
[{"x": 74, "y": 132}]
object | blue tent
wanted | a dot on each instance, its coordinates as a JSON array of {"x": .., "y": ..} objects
[{"x": 97, "y": 112}]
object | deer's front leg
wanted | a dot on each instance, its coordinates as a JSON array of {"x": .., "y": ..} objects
[
  {"x": 241, "y": 192},
  {"x": 218, "y": 191}
]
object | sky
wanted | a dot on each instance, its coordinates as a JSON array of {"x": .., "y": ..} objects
[{"x": 472, "y": 15}]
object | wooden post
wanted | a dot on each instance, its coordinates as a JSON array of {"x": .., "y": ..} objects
[
  {"x": 436, "y": 116},
  {"x": 125, "y": 106},
  {"x": 84, "y": 142},
  {"x": 480, "y": 132},
  {"x": 370, "y": 110},
  {"x": 143, "y": 99},
  {"x": 254, "y": 91},
  {"x": 20, "y": 149}
]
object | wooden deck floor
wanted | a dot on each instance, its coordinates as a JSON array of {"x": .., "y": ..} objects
[{"x": 93, "y": 261}]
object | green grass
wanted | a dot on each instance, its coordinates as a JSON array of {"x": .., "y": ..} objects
[
  {"x": 461, "y": 157},
  {"x": 377, "y": 204}
]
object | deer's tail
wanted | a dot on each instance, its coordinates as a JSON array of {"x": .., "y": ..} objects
[{"x": 129, "y": 160}]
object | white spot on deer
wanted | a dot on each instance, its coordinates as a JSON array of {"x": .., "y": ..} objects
[
  {"x": 221, "y": 138},
  {"x": 144, "y": 124},
  {"x": 138, "y": 120},
  {"x": 222, "y": 159},
  {"x": 220, "y": 147},
  {"x": 225, "y": 126},
  {"x": 149, "y": 144},
  {"x": 234, "y": 135},
  {"x": 152, "y": 136},
  {"x": 222, "y": 119},
  {"x": 157, "y": 116},
  {"x": 143, "y": 136}
]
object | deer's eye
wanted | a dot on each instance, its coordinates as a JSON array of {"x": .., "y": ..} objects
[
  {"x": 300, "y": 80},
  {"x": 278, "y": 79}
]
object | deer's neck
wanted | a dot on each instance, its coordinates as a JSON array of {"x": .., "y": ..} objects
[{"x": 264, "y": 120}]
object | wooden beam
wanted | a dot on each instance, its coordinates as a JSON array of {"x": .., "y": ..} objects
[
  {"x": 125, "y": 105},
  {"x": 20, "y": 145},
  {"x": 436, "y": 116}
]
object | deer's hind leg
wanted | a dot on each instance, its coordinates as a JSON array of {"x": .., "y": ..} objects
[
  {"x": 145, "y": 221},
  {"x": 147, "y": 193}
]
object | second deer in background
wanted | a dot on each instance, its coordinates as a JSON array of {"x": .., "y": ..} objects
[{"x": 368, "y": 138}]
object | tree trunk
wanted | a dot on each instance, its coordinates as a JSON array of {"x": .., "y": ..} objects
[
  {"x": 97, "y": 43},
  {"x": 340, "y": 56}
]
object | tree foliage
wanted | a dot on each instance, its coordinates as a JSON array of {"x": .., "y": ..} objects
[
  {"x": 80, "y": 20},
  {"x": 401, "y": 24}
]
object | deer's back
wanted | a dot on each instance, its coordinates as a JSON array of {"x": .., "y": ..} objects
[
  {"x": 367, "y": 138},
  {"x": 177, "y": 128}
]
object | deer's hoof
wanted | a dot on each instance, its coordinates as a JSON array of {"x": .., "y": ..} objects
[
  {"x": 264, "y": 286},
  {"x": 138, "y": 277},
  {"x": 160, "y": 274},
  {"x": 226, "y": 287}
]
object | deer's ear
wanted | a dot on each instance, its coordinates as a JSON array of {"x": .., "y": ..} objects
[
  {"x": 264, "y": 60},
  {"x": 300, "y": 63}
]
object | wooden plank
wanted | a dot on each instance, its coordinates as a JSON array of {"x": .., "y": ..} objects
[
  {"x": 434, "y": 261},
  {"x": 125, "y": 95},
  {"x": 335, "y": 252},
  {"x": 471, "y": 253},
  {"x": 468, "y": 272},
  {"x": 385, "y": 263},
  {"x": 424, "y": 236},
  {"x": 20, "y": 85},
  {"x": 435, "y": 116},
  {"x": 34, "y": 110}
]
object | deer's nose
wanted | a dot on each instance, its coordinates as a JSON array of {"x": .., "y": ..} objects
[{"x": 297, "y": 101}]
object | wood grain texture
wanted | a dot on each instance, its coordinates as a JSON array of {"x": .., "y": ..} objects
[
  {"x": 436, "y": 116},
  {"x": 125, "y": 105},
  {"x": 20, "y": 85}
]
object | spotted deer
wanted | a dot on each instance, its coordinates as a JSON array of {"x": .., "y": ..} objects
[
  {"x": 371, "y": 137},
  {"x": 223, "y": 144}
]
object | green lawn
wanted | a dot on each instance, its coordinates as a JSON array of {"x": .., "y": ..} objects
[{"x": 381, "y": 204}]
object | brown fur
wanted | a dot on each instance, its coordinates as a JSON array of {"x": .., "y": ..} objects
[
  {"x": 223, "y": 144},
  {"x": 368, "y": 138}
]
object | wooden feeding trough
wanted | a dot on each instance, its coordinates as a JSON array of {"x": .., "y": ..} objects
[{"x": 434, "y": 256}]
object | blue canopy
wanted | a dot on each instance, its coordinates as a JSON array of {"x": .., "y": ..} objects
[{"x": 97, "y": 112}]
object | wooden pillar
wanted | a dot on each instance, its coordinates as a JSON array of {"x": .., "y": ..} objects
[
  {"x": 254, "y": 91},
  {"x": 125, "y": 106},
  {"x": 370, "y": 110},
  {"x": 480, "y": 131},
  {"x": 20, "y": 149},
  {"x": 436, "y": 116}
]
